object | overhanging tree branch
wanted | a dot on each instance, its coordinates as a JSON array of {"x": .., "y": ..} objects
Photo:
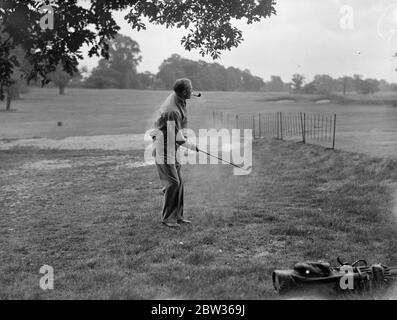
[{"x": 208, "y": 23}]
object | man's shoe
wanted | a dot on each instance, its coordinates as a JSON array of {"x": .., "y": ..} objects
[
  {"x": 181, "y": 221},
  {"x": 171, "y": 225}
]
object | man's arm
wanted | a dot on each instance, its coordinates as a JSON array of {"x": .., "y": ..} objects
[{"x": 180, "y": 138}]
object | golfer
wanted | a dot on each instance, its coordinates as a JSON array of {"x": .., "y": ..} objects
[{"x": 168, "y": 137}]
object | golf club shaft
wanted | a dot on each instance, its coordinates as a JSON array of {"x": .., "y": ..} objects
[{"x": 231, "y": 163}]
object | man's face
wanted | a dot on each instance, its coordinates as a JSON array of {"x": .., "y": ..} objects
[{"x": 188, "y": 91}]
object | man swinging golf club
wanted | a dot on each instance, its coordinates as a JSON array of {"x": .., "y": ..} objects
[{"x": 168, "y": 137}]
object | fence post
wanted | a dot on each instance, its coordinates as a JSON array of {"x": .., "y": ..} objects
[
  {"x": 277, "y": 126},
  {"x": 303, "y": 118},
  {"x": 260, "y": 127},
  {"x": 253, "y": 125},
  {"x": 333, "y": 140},
  {"x": 236, "y": 121},
  {"x": 281, "y": 125}
]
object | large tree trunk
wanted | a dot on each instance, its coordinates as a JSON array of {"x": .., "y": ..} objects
[{"x": 61, "y": 89}]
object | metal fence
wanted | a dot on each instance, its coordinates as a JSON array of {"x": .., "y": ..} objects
[{"x": 305, "y": 127}]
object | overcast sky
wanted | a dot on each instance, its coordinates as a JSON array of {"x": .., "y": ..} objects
[{"x": 304, "y": 37}]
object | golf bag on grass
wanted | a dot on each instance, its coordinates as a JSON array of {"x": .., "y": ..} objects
[{"x": 311, "y": 275}]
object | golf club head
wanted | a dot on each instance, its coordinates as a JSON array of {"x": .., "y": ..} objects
[
  {"x": 245, "y": 170},
  {"x": 197, "y": 95}
]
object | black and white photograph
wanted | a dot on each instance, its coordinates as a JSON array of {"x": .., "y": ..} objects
[{"x": 198, "y": 155}]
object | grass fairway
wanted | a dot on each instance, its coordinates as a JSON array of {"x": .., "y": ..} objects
[
  {"x": 361, "y": 126},
  {"x": 95, "y": 218}
]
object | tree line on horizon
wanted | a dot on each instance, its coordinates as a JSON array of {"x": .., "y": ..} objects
[{"x": 120, "y": 72}]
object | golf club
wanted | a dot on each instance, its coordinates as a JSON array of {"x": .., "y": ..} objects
[
  {"x": 197, "y": 95},
  {"x": 231, "y": 163}
]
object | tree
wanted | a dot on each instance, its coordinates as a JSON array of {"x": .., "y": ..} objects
[
  {"x": 325, "y": 84},
  {"x": 146, "y": 80},
  {"x": 367, "y": 86},
  {"x": 345, "y": 84},
  {"x": 310, "y": 88},
  {"x": 60, "y": 78},
  {"x": 171, "y": 69},
  {"x": 385, "y": 86},
  {"x": 78, "y": 80},
  {"x": 234, "y": 79},
  {"x": 250, "y": 82},
  {"x": 358, "y": 83},
  {"x": 370, "y": 86},
  {"x": 16, "y": 85},
  {"x": 209, "y": 25},
  {"x": 297, "y": 82},
  {"x": 13, "y": 92},
  {"x": 8, "y": 62},
  {"x": 207, "y": 76},
  {"x": 275, "y": 84},
  {"x": 119, "y": 70}
]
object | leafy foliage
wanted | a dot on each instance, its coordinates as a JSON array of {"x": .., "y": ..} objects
[
  {"x": 207, "y": 76},
  {"x": 276, "y": 84},
  {"x": 367, "y": 86},
  {"x": 209, "y": 24},
  {"x": 147, "y": 80},
  {"x": 209, "y": 21},
  {"x": 325, "y": 84},
  {"x": 7, "y": 63},
  {"x": 61, "y": 78},
  {"x": 297, "y": 82},
  {"x": 15, "y": 84},
  {"x": 119, "y": 71}
]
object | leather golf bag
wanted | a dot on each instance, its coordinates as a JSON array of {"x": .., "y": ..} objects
[{"x": 319, "y": 274}]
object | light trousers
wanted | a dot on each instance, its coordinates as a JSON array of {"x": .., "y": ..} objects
[{"x": 173, "y": 185}]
